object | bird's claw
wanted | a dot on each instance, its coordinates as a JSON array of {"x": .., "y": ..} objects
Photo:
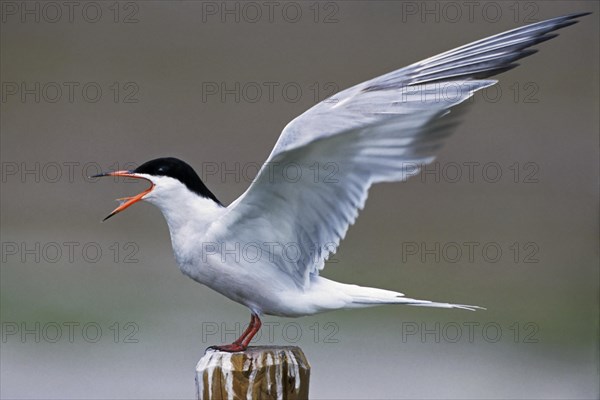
[{"x": 229, "y": 348}]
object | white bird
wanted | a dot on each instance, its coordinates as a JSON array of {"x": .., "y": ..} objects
[{"x": 266, "y": 249}]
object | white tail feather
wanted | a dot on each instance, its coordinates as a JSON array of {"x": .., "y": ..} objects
[{"x": 368, "y": 297}]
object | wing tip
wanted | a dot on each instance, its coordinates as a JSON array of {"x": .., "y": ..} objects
[{"x": 578, "y": 14}]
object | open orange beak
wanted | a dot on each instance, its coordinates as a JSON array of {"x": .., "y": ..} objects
[{"x": 126, "y": 201}]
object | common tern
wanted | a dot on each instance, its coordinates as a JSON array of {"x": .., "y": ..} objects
[{"x": 266, "y": 249}]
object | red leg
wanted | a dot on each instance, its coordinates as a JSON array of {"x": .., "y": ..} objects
[
  {"x": 255, "y": 328},
  {"x": 242, "y": 342}
]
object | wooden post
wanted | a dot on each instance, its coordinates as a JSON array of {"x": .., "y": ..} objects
[{"x": 274, "y": 372}]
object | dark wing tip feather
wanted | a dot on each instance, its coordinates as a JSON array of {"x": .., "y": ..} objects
[
  {"x": 478, "y": 60},
  {"x": 577, "y": 15}
]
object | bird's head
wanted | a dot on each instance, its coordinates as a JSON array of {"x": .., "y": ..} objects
[{"x": 170, "y": 181}]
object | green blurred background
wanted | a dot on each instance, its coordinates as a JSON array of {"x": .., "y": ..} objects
[{"x": 155, "y": 60}]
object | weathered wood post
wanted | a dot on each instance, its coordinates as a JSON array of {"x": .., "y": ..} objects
[{"x": 274, "y": 372}]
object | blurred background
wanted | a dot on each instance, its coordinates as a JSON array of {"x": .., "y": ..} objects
[{"x": 506, "y": 219}]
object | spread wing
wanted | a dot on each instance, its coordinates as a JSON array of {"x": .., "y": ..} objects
[{"x": 317, "y": 177}]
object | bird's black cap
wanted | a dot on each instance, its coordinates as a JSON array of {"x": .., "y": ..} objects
[{"x": 177, "y": 169}]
